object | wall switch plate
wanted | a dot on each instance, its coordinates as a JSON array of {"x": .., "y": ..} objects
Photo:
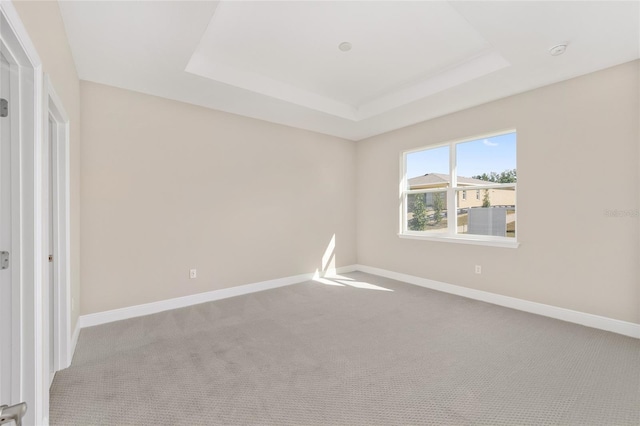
[
  {"x": 478, "y": 269},
  {"x": 193, "y": 273}
]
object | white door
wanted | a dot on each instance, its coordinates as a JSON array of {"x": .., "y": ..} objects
[
  {"x": 5, "y": 238},
  {"x": 22, "y": 367},
  {"x": 56, "y": 232},
  {"x": 53, "y": 308}
]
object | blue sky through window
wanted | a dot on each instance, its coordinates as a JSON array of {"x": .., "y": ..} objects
[{"x": 486, "y": 155}]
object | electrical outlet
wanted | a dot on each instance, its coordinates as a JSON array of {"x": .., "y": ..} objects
[
  {"x": 193, "y": 273},
  {"x": 478, "y": 269}
]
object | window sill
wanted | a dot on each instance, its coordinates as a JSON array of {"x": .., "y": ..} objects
[{"x": 463, "y": 240}]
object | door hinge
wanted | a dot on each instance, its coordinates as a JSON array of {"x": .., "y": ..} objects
[
  {"x": 4, "y": 108},
  {"x": 4, "y": 260},
  {"x": 50, "y": 258}
]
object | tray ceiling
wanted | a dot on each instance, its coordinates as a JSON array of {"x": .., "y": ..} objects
[{"x": 280, "y": 61}]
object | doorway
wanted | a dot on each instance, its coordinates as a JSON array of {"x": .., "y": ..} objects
[
  {"x": 56, "y": 194},
  {"x": 22, "y": 363},
  {"x": 6, "y": 289},
  {"x": 53, "y": 257}
]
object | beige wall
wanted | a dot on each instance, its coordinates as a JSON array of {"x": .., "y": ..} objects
[
  {"x": 577, "y": 157},
  {"x": 44, "y": 24},
  {"x": 168, "y": 186}
]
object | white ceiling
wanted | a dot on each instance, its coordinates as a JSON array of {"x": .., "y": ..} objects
[{"x": 279, "y": 60}]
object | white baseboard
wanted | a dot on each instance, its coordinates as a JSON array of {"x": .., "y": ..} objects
[
  {"x": 582, "y": 318},
  {"x": 594, "y": 321},
  {"x": 335, "y": 271},
  {"x": 91, "y": 320},
  {"x": 74, "y": 341}
]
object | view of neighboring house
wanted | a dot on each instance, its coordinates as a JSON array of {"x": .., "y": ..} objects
[{"x": 466, "y": 198}]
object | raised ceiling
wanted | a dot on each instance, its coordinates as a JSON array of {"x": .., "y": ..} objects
[
  {"x": 410, "y": 61},
  {"x": 289, "y": 51}
]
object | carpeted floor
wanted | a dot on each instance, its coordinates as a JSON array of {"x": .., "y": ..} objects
[{"x": 319, "y": 354}]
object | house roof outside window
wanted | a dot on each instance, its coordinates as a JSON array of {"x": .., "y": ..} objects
[{"x": 439, "y": 180}]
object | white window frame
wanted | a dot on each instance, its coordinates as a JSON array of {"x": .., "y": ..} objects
[{"x": 450, "y": 234}]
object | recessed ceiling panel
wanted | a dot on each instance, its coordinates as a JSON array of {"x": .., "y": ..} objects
[
  {"x": 290, "y": 50},
  {"x": 409, "y": 61}
]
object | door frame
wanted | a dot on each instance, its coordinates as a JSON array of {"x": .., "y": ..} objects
[
  {"x": 59, "y": 159},
  {"x": 28, "y": 354}
]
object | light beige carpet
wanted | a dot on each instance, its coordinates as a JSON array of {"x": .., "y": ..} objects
[{"x": 316, "y": 354}]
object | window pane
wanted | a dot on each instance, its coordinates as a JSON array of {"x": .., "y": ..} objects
[
  {"x": 428, "y": 168},
  {"x": 427, "y": 212},
  {"x": 494, "y": 214},
  {"x": 491, "y": 159},
  {"x": 479, "y": 211}
]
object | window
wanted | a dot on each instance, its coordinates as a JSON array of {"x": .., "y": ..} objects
[{"x": 435, "y": 184}]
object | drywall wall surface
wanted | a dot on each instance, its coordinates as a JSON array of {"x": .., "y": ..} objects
[
  {"x": 44, "y": 24},
  {"x": 577, "y": 208},
  {"x": 168, "y": 187}
]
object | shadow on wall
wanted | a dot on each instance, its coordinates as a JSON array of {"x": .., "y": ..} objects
[{"x": 327, "y": 274}]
